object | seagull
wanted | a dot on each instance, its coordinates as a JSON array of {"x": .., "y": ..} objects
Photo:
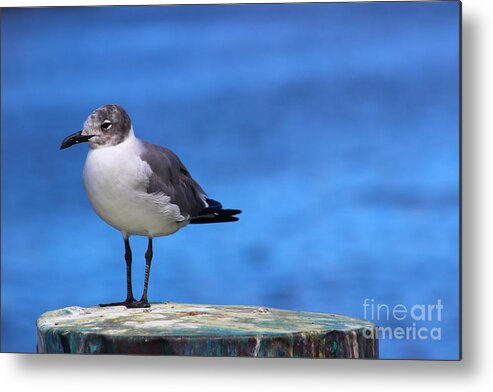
[{"x": 139, "y": 188}]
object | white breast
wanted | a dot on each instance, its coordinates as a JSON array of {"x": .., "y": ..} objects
[{"x": 116, "y": 180}]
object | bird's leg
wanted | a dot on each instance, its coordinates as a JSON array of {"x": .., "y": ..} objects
[
  {"x": 143, "y": 301},
  {"x": 148, "y": 268},
  {"x": 128, "y": 260}
]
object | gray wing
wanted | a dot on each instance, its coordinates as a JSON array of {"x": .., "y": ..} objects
[{"x": 171, "y": 177}]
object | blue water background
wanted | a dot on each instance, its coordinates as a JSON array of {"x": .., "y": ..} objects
[{"x": 334, "y": 127}]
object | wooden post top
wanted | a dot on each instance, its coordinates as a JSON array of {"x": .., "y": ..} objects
[{"x": 205, "y": 330}]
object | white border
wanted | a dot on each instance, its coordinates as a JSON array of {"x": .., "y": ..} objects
[
  {"x": 47, "y": 3},
  {"x": 474, "y": 373}
]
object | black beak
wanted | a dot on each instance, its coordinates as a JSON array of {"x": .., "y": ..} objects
[{"x": 75, "y": 138}]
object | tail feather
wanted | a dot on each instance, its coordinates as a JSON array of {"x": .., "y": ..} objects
[{"x": 216, "y": 214}]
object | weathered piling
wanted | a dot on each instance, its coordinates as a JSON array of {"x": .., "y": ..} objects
[{"x": 205, "y": 330}]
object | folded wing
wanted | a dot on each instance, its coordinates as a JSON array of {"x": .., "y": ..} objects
[{"x": 170, "y": 177}]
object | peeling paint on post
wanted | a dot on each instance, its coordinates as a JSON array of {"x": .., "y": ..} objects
[{"x": 205, "y": 330}]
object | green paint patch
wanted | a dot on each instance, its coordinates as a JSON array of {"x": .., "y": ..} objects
[{"x": 333, "y": 347}]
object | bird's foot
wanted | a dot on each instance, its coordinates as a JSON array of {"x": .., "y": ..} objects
[
  {"x": 127, "y": 303},
  {"x": 139, "y": 304}
]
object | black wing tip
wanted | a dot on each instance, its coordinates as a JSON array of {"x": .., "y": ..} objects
[
  {"x": 218, "y": 217},
  {"x": 230, "y": 212}
]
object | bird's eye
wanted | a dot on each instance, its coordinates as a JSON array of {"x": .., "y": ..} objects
[{"x": 106, "y": 124}]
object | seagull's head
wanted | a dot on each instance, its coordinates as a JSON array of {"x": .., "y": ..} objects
[{"x": 107, "y": 126}]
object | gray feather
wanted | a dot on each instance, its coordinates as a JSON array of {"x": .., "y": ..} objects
[{"x": 171, "y": 177}]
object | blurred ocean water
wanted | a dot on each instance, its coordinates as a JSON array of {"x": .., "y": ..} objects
[{"x": 334, "y": 127}]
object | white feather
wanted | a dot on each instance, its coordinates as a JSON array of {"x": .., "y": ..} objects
[{"x": 116, "y": 179}]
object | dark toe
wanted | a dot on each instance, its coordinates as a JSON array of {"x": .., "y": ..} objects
[
  {"x": 123, "y": 303},
  {"x": 139, "y": 304}
]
